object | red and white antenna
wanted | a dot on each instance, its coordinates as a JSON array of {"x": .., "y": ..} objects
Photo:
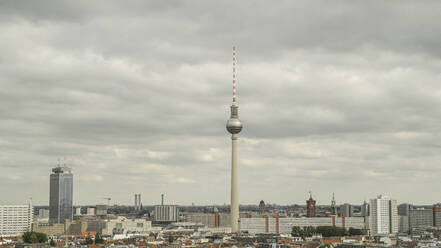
[{"x": 234, "y": 75}]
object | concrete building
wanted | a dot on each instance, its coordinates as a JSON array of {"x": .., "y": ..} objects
[
  {"x": 346, "y": 210},
  {"x": 403, "y": 209},
  {"x": 15, "y": 219},
  {"x": 90, "y": 211},
  {"x": 122, "y": 225},
  {"x": 383, "y": 216},
  {"x": 420, "y": 218},
  {"x": 61, "y": 195},
  {"x": 234, "y": 126},
  {"x": 43, "y": 213},
  {"x": 209, "y": 219},
  {"x": 101, "y": 210},
  {"x": 284, "y": 225},
  {"x": 166, "y": 213},
  {"x": 436, "y": 216},
  {"x": 364, "y": 209},
  {"x": 403, "y": 224},
  {"x": 310, "y": 207}
]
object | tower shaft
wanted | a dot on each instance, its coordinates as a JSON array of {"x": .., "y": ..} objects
[{"x": 234, "y": 186}]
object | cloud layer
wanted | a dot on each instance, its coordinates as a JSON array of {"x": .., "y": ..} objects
[{"x": 335, "y": 97}]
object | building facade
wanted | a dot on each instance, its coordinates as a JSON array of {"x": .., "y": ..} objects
[
  {"x": 383, "y": 216},
  {"x": 166, "y": 213},
  {"x": 61, "y": 195},
  {"x": 346, "y": 210},
  {"x": 285, "y": 225},
  {"x": 15, "y": 219},
  {"x": 310, "y": 207},
  {"x": 420, "y": 218},
  {"x": 122, "y": 225}
]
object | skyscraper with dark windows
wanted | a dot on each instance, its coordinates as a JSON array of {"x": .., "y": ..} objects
[{"x": 60, "y": 195}]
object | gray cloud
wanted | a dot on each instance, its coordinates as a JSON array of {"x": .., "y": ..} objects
[{"x": 335, "y": 97}]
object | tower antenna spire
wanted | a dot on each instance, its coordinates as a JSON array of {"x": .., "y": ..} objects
[{"x": 234, "y": 75}]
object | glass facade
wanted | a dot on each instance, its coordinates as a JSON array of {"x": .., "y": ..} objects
[{"x": 61, "y": 195}]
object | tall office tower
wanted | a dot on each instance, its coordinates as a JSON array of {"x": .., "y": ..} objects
[
  {"x": 333, "y": 206},
  {"x": 365, "y": 209},
  {"x": 262, "y": 207},
  {"x": 61, "y": 194},
  {"x": 403, "y": 209},
  {"x": 310, "y": 207},
  {"x": 346, "y": 210},
  {"x": 383, "y": 218},
  {"x": 234, "y": 126}
]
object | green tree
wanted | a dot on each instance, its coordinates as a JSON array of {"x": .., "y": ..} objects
[
  {"x": 354, "y": 231},
  {"x": 42, "y": 237},
  {"x": 331, "y": 231},
  {"x": 52, "y": 243},
  {"x": 33, "y": 238},
  {"x": 88, "y": 240},
  {"x": 98, "y": 239},
  {"x": 170, "y": 239}
]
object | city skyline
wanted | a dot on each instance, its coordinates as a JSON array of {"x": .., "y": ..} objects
[{"x": 135, "y": 97}]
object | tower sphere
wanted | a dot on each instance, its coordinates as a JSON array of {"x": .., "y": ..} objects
[{"x": 234, "y": 125}]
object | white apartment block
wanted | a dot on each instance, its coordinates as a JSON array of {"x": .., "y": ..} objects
[
  {"x": 383, "y": 216},
  {"x": 284, "y": 225},
  {"x": 15, "y": 219}
]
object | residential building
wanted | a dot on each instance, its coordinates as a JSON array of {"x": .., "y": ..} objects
[
  {"x": 15, "y": 219},
  {"x": 383, "y": 216}
]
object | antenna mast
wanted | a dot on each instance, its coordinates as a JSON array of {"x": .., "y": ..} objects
[{"x": 234, "y": 75}]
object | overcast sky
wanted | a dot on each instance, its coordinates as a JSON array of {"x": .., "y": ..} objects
[{"x": 335, "y": 96}]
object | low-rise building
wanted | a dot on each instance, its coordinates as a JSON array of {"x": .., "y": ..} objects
[
  {"x": 122, "y": 225},
  {"x": 284, "y": 225}
]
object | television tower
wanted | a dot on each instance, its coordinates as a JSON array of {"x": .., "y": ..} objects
[{"x": 234, "y": 126}]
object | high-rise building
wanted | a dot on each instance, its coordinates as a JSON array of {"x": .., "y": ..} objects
[
  {"x": 365, "y": 209},
  {"x": 15, "y": 219},
  {"x": 262, "y": 207},
  {"x": 403, "y": 209},
  {"x": 234, "y": 126},
  {"x": 61, "y": 195},
  {"x": 383, "y": 216},
  {"x": 420, "y": 217},
  {"x": 346, "y": 210},
  {"x": 310, "y": 207},
  {"x": 333, "y": 206},
  {"x": 436, "y": 216}
]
